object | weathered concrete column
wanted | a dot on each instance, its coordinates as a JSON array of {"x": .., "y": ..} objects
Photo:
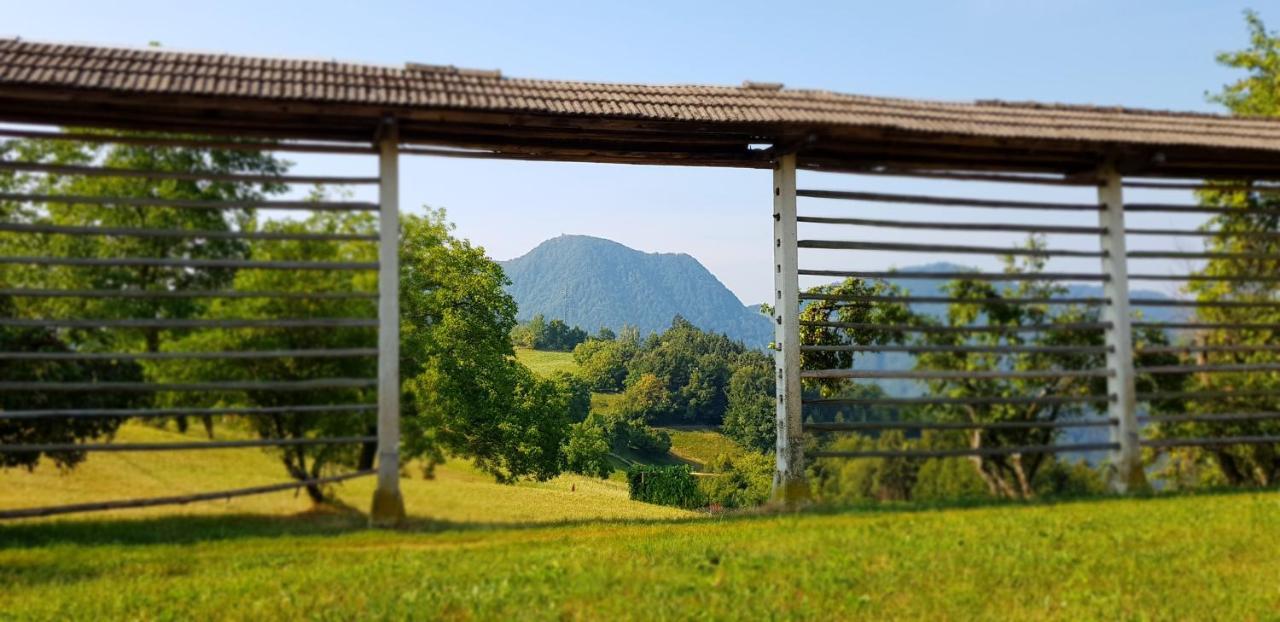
[
  {"x": 388, "y": 504},
  {"x": 1127, "y": 459},
  {"x": 789, "y": 485}
]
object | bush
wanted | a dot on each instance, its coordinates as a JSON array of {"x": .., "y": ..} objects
[
  {"x": 665, "y": 485},
  {"x": 624, "y": 432},
  {"x": 587, "y": 452},
  {"x": 739, "y": 482},
  {"x": 1069, "y": 479}
]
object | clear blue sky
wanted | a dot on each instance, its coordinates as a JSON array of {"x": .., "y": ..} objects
[{"x": 1146, "y": 54}]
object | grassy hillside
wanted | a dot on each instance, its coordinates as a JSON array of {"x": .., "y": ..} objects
[
  {"x": 1207, "y": 557},
  {"x": 700, "y": 445},
  {"x": 546, "y": 363},
  {"x": 458, "y": 493}
]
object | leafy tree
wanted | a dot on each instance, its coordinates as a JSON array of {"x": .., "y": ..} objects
[
  {"x": 1014, "y": 475},
  {"x": 739, "y": 481},
  {"x": 603, "y": 363},
  {"x": 645, "y": 398},
  {"x": 555, "y": 335},
  {"x": 750, "y": 416},
  {"x": 693, "y": 366},
  {"x": 1240, "y": 230},
  {"x": 172, "y": 159},
  {"x": 164, "y": 159},
  {"x": 465, "y": 395},
  {"x": 577, "y": 393},
  {"x": 302, "y": 462},
  {"x": 587, "y": 452},
  {"x": 63, "y": 430}
]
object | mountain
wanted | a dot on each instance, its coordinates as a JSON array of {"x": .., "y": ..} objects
[
  {"x": 592, "y": 282},
  {"x": 933, "y": 287}
]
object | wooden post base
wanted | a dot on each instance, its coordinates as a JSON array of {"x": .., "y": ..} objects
[
  {"x": 387, "y": 510},
  {"x": 790, "y": 492}
]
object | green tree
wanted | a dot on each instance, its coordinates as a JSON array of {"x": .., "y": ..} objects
[
  {"x": 587, "y": 452},
  {"x": 646, "y": 398},
  {"x": 1240, "y": 230},
  {"x": 464, "y": 394},
  {"x": 603, "y": 363},
  {"x": 739, "y": 481},
  {"x": 302, "y": 462},
  {"x": 162, "y": 159},
  {"x": 693, "y": 365},
  {"x": 750, "y": 416},
  {"x": 61, "y": 430},
  {"x": 1014, "y": 475},
  {"x": 172, "y": 159}
]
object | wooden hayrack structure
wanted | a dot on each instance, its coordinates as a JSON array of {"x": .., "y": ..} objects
[{"x": 383, "y": 112}]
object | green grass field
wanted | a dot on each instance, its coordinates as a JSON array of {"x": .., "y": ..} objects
[
  {"x": 1205, "y": 557},
  {"x": 577, "y": 548},
  {"x": 545, "y": 363}
]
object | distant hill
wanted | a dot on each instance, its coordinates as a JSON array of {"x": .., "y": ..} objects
[{"x": 593, "y": 282}]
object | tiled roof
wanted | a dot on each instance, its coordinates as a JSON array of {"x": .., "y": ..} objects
[{"x": 153, "y": 72}]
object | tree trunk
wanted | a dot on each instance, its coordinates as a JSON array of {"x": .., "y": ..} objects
[{"x": 1024, "y": 484}]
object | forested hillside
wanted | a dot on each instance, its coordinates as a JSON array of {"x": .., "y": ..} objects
[{"x": 593, "y": 282}]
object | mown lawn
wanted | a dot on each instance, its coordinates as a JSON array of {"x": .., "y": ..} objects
[{"x": 1205, "y": 557}]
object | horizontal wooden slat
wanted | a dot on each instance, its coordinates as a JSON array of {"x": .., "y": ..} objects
[
  {"x": 953, "y": 226},
  {"x": 185, "y": 356},
  {"x": 909, "y": 328},
  {"x": 101, "y": 171},
  {"x": 964, "y": 349},
  {"x": 1198, "y": 255},
  {"x": 1161, "y": 443},
  {"x": 972, "y": 276},
  {"x": 98, "y": 506},
  {"x": 155, "y": 387},
  {"x": 136, "y": 232},
  {"x": 1224, "y": 304},
  {"x": 239, "y": 264},
  {"x": 858, "y": 426},
  {"x": 985, "y": 400},
  {"x": 1204, "y": 395},
  {"x": 183, "y": 293},
  {"x": 1210, "y": 369},
  {"x": 183, "y": 446},
  {"x": 1211, "y": 418},
  {"x": 1035, "y": 180},
  {"x": 958, "y": 453},
  {"x": 152, "y": 141},
  {"x": 160, "y": 323},
  {"x": 1199, "y": 233},
  {"x": 315, "y": 206},
  {"x": 953, "y": 300},
  {"x": 1207, "y": 278},
  {"x": 1228, "y": 187},
  {"x": 878, "y": 197},
  {"x": 954, "y": 375},
  {"x": 1173, "y": 208},
  {"x": 1206, "y": 348},
  {"x": 848, "y": 245},
  {"x": 1206, "y": 326},
  {"x": 151, "y": 413}
]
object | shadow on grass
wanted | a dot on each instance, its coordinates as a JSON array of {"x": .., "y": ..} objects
[{"x": 336, "y": 521}]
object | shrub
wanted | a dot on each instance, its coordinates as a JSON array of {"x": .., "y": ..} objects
[
  {"x": 739, "y": 482},
  {"x": 587, "y": 451},
  {"x": 665, "y": 485}
]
